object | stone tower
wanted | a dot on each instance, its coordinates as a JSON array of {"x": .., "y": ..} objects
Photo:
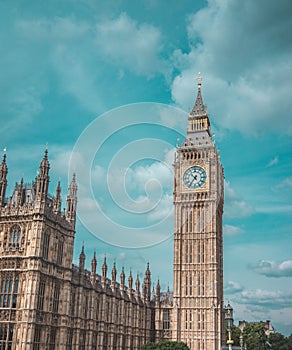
[
  {"x": 198, "y": 312},
  {"x": 36, "y": 250}
]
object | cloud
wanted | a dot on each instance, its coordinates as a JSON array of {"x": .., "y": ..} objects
[
  {"x": 232, "y": 288},
  {"x": 274, "y": 300},
  {"x": 273, "y": 269},
  {"x": 286, "y": 183},
  {"x": 242, "y": 50},
  {"x": 235, "y": 207},
  {"x": 273, "y": 161},
  {"x": 163, "y": 210},
  {"x": 132, "y": 45},
  {"x": 160, "y": 172},
  {"x": 230, "y": 230},
  {"x": 258, "y": 300}
]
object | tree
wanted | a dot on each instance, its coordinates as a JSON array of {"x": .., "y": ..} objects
[
  {"x": 165, "y": 345},
  {"x": 235, "y": 335},
  {"x": 254, "y": 336},
  {"x": 289, "y": 342},
  {"x": 278, "y": 341}
]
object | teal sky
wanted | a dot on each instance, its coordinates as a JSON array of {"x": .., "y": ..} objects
[{"x": 103, "y": 79}]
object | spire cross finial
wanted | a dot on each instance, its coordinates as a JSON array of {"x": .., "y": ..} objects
[
  {"x": 4, "y": 155},
  {"x": 199, "y": 79}
]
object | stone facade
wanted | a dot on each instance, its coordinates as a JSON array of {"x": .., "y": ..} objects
[
  {"x": 45, "y": 301},
  {"x": 48, "y": 303}
]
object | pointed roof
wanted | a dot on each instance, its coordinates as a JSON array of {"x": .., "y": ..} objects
[
  {"x": 45, "y": 162},
  {"x": 73, "y": 186},
  {"x": 3, "y": 166},
  {"x": 82, "y": 254},
  {"x": 199, "y": 108},
  {"x": 94, "y": 256}
]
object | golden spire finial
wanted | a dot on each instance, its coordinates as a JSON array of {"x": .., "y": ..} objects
[{"x": 199, "y": 79}]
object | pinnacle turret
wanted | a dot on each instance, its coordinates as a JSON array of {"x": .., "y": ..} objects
[
  {"x": 93, "y": 269},
  {"x": 114, "y": 273},
  {"x": 130, "y": 281},
  {"x": 20, "y": 193},
  {"x": 122, "y": 278},
  {"x": 82, "y": 259},
  {"x": 104, "y": 272},
  {"x": 57, "y": 201},
  {"x": 43, "y": 179},
  {"x": 72, "y": 201},
  {"x": 3, "y": 179},
  {"x": 147, "y": 284},
  {"x": 137, "y": 283}
]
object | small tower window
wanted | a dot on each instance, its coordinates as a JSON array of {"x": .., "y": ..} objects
[
  {"x": 46, "y": 245},
  {"x": 56, "y": 298},
  {"x": 41, "y": 295},
  {"x": 60, "y": 252},
  {"x": 166, "y": 319},
  {"x": 14, "y": 240},
  {"x": 37, "y": 337},
  {"x": 6, "y": 335}
]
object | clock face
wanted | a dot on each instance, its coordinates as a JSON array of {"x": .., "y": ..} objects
[{"x": 195, "y": 177}]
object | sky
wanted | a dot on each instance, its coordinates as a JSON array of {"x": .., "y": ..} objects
[{"x": 107, "y": 86}]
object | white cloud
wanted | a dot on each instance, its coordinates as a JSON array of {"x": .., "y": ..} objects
[
  {"x": 273, "y": 269},
  {"x": 163, "y": 210},
  {"x": 262, "y": 298},
  {"x": 243, "y": 53},
  {"x": 230, "y": 230},
  {"x": 235, "y": 207},
  {"x": 132, "y": 45},
  {"x": 159, "y": 172},
  {"x": 273, "y": 161},
  {"x": 259, "y": 304},
  {"x": 287, "y": 183},
  {"x": 232, "y": 287}
]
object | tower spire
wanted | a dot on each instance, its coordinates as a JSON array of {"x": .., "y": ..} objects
[
  {"x": 198, "y": 120},
  {"x": 43, "y": 178},
  {"x": 199, "y": 108},
  {"x": 93, "y": 268},
  {"x": 104, "y": 272},
  {"x": 72, "y": 201},
  {"x": 82, "y": 259},
  {"x": 3, "y": 180},
  {"x": 57, "y": 201}
]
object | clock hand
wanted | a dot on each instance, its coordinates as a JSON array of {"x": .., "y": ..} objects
[{"x": 194, "y": 178}]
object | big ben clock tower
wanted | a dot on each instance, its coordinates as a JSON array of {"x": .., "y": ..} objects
[{"x": 198, "y": 256}]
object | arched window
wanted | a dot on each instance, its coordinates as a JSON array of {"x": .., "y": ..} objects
[{"x": 14, "y": 239}]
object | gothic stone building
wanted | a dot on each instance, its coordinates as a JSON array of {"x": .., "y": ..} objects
[{"x": 48, "y": 303}]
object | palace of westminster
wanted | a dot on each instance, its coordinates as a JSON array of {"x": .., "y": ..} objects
[{"x": 48, "y": 303}]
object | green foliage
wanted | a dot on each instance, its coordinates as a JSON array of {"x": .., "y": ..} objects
[
  {"x": 289, "y": 342},
  {"x": 165, "y": 345},
  {"x": 278, "y": 341},
  {"x": 254, "y": 336},
  {"x": 235, "y": 335}
]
